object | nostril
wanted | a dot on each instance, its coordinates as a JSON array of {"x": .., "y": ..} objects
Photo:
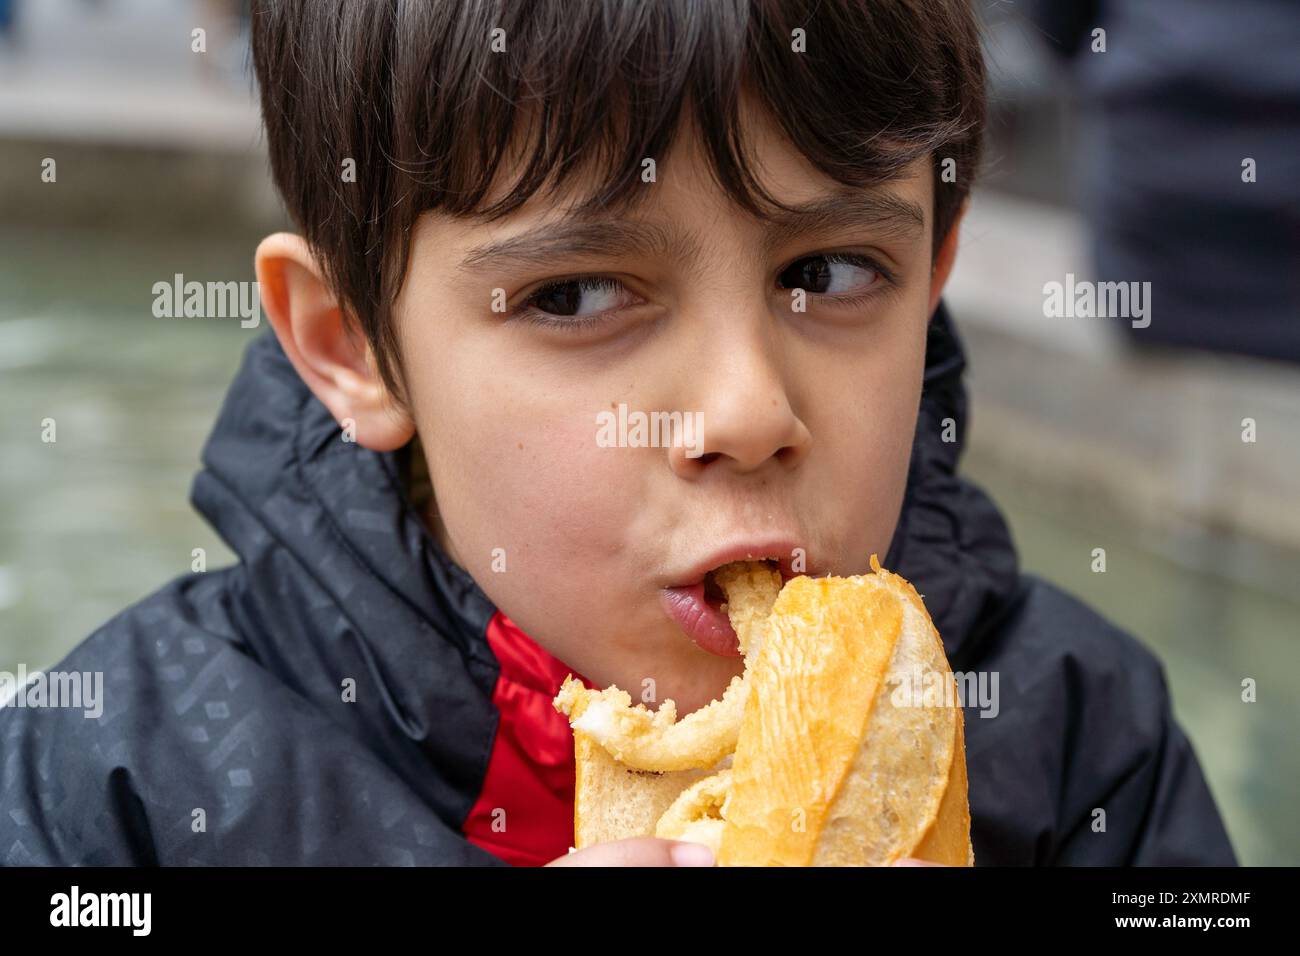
[{"x": 708, "y": 457}]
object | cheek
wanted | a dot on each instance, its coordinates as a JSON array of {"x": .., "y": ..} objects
[
  {"x": 868, "y": 402},
  {"x": 520, "y": 470}
]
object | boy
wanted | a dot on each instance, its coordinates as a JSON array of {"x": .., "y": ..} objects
[{"x": 516, "y": 218}]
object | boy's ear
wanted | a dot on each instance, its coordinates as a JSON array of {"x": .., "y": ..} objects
[
  {"x": 946, "y": 256},
  {"x": 336, "y": 365}
]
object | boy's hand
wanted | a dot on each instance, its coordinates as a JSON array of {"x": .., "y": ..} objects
[{"x": 639, "y": 851}]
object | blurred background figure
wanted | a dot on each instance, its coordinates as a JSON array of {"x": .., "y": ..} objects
[
  {"x": 1189, "y": 160},
  {"x": 128, "y": 156}
]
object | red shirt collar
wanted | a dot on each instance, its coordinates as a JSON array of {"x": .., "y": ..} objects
[{"x": 524, "y": 812}]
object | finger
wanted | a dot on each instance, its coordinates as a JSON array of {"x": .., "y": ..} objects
[
  {"x": 639, "y": 851},
  {"x": 912, "y": 861}
]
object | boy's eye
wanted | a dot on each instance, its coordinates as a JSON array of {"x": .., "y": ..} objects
[
  {"x": 575, "y": 298},
  {"x": 830, "y": 274}
]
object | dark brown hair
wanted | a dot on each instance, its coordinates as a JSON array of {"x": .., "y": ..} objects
[{"x": 416, "y": 95}]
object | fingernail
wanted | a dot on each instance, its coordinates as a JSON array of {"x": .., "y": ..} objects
[{"x": 691, "y": 854}]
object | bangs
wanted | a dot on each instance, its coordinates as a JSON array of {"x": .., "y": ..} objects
[{"x": 574, "y": 97}]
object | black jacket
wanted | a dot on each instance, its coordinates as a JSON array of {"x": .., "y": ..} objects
[{"x": 222, "y": 689}]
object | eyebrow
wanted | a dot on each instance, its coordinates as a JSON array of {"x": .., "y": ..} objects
[{"x": 888, "y": 216}]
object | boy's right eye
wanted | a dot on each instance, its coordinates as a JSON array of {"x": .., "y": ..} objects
[{"x": 583, "y": 298}]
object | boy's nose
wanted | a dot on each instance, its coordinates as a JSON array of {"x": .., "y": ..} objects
[{"x": 739, "y": 389}]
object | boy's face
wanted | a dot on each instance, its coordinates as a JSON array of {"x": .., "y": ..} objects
[{"x": 806, "y": 417}]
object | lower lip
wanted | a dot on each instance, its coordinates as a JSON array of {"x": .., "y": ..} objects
[{"x": 703, "y": 623}]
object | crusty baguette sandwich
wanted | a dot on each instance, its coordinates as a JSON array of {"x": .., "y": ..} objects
[{"x": 821, "y": 754}]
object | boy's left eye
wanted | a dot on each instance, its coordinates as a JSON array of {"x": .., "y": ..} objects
[{"x": 832, "y": 273}]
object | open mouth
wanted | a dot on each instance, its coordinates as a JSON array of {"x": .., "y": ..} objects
[{"x": 700, "y": 611}]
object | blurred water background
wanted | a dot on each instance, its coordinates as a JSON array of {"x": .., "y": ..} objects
[{"x": 1083, "y": 443}]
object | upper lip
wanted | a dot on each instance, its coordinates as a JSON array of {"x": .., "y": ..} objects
[{"x": 778, "y": 549}]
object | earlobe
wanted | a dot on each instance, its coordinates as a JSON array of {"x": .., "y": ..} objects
[{"x": 329, "y": 357}]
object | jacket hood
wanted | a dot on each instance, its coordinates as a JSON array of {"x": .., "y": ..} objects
[{"x": 299, "y": 505}]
